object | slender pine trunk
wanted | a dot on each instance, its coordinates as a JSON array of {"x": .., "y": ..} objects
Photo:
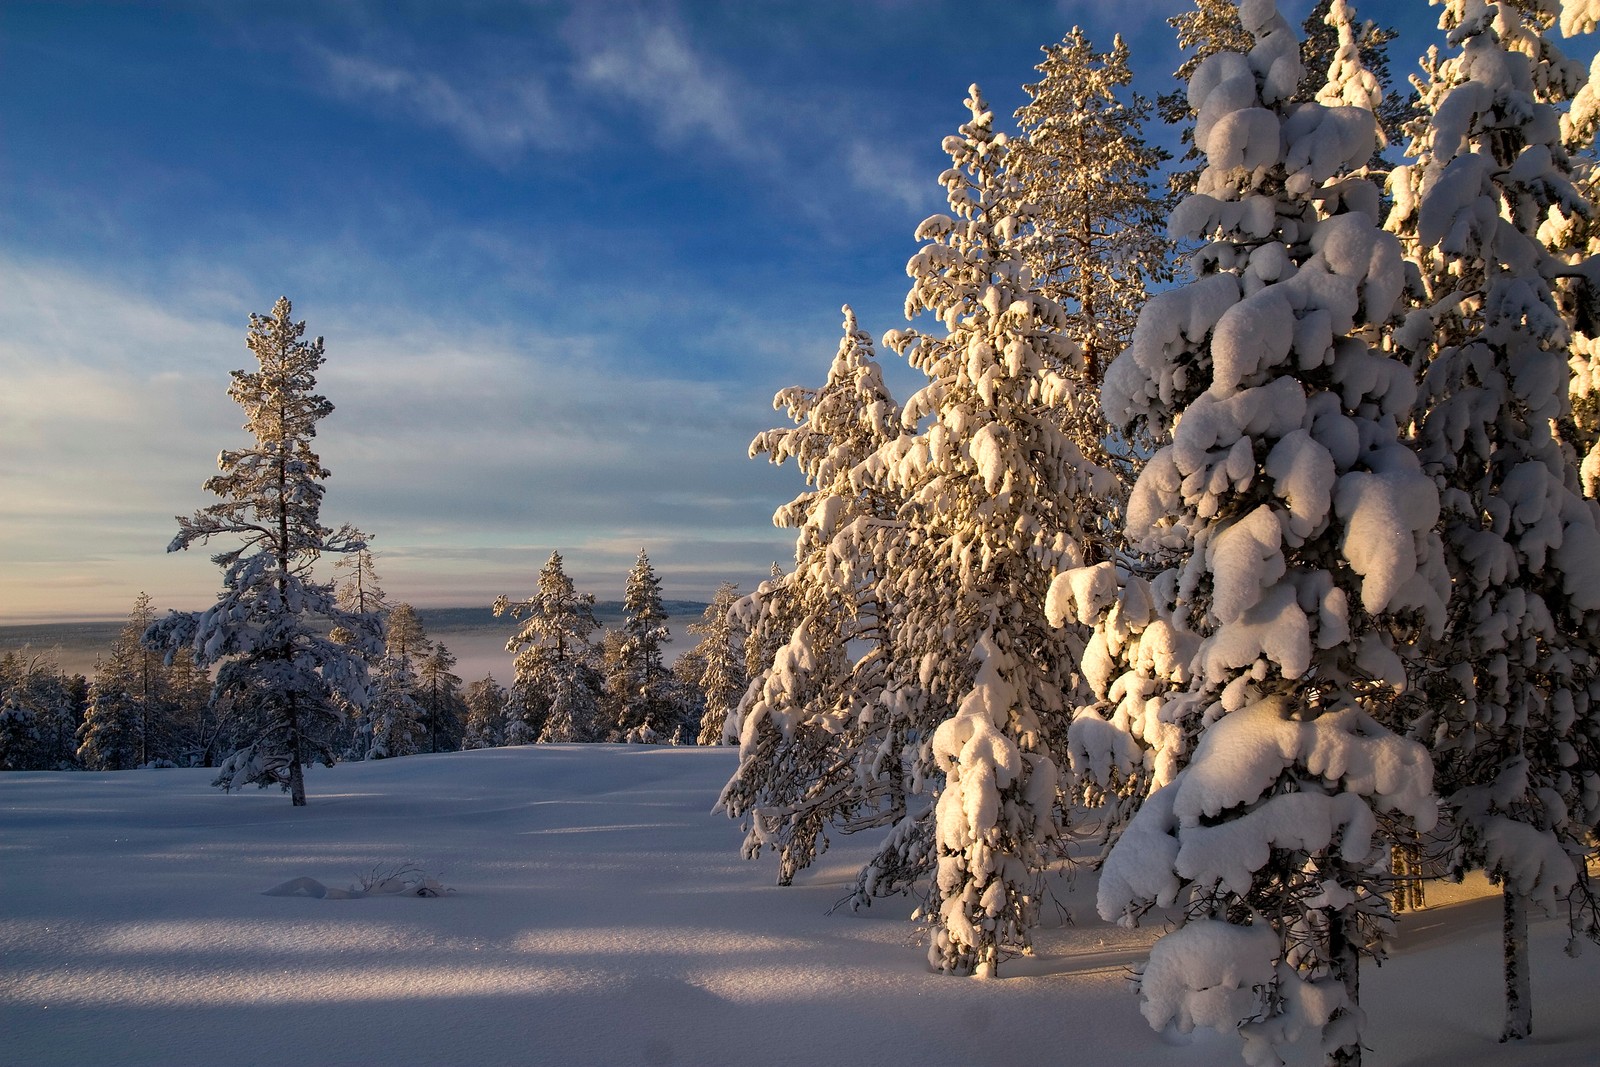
[
  {"x": 297, "y": 774},
  {"x": 297, "y": 783},
  {"x": 1346, "y": 961},
  {"x": 1519, "y": 994}
]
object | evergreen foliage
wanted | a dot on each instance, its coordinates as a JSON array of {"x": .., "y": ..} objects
[
  {"x": 485, "y": 701},
  {"x": 124, "y": 700},
  {"x": 556, "y": 694},
  {"x": 717, "y": 665},
  {"x": 41, "y": 710},
  {"x": 815, "y": 753},
  {"x": 279, "y": 672},
  {"x": 646, "y": 701},
  {"x": 1513, "y": 694},
  {"x": 989, "y": 485},
  {"x": 1096, "y": 243},
  {"x": 1306, "y": 564}
]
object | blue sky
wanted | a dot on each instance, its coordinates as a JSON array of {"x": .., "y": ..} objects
[{"x": 562, "y": 255}]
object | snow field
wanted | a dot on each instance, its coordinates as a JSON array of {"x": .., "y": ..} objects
[{"x": 599, "y": 916}]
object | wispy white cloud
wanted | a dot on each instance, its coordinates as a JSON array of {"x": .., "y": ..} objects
[
  {"x": 645, "y": 59},
  {"x": 892, "y": 175},
  {"x": 470, "y": 451},
  {"x": 498, "y": 118}
]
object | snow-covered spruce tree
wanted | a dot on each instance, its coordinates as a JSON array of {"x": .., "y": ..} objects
[
  {"x": 1096, "y": 243},
  {"x": 279, "y": 673},
  {"x": 395, "y": 720},
  {"x": 1305, "y": 526},
  {"x": 557, "y": 688},
  {"x": 1514, "y": 699},
  {"x": 486, "y": 714},
  {"x": 993, "y": 491},
  {"x": 719, "y": 659},
  {"x": 648, "y": 703},
  {"x": 125, "y": 699},
  {"x": 40, "y": 712},
  {"x": 815, "y": 749},
  {"x": 1212, "y": 27},
  {"x": 439, "y": 693}
]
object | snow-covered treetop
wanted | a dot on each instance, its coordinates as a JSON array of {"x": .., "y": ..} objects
[
  {"x": 1349, "y": 81},
  {"x": 557, "y": 618}
]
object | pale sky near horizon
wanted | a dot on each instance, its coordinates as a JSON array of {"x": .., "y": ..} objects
[{"x": 562, "y": 255}]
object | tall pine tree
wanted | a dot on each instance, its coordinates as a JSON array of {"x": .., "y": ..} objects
[
  {"x": 1306, "y": 563},
  {"x": 279, "y": 671},
  {"x": 1096, "y": 243},
  {"x": 1514, "y": 697},
  {"x": 990, "y": 488}
]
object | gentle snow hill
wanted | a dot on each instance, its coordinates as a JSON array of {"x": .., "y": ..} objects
[{"x": 600, "y": 916}]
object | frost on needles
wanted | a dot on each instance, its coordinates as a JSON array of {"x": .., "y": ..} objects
[
  {"x": 1298, "y": 527},
  {"x": 280, "y": 672},
  {"x": 1492, "y": 206}
]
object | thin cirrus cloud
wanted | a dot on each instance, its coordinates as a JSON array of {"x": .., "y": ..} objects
[
  {"x": 516, "y": 441},
  {"x": 498, "y": 120},
  {"x": 608, "y": 60},
  {"x": 649, "y": 63}
]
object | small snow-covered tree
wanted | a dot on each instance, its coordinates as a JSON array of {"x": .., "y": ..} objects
[
  {"x": 1306, "y": 562},
  {"x": 646, "y": 699},
  {"x": 719, "y": 663},
  {"x": 279, "y": 671},
  {"x": 486, "y": 714},
  {"x": 1514, "y": 698},
  {"x": 992, "y": 493},
  {"x": 556, "y": 692},
  {"x": 396, "y": 721},
  {"x": 439, "y": 693},
  {"x": 125, "y": 699}
]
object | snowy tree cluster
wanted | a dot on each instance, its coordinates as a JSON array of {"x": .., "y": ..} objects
[
  {"x": 143, "y": 710},
  {"x": 41, "y": 711},
  {"x": 1264, "y": 586},
  {"x": 577, "y": 682},
  {"x": 415, "y": 704}
]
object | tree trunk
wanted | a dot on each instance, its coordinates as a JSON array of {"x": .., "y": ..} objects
[
  {"x": 297, "y": 783},
  {"x": 297, "y": 774},
  {"x": 1519, "y": 994},
  {"x": 1346, "y": 962}
]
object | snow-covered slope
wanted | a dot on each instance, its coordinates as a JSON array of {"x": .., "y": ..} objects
[{"x": 599, "y": 915}]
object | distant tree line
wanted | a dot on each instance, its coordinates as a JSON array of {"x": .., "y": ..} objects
[
  {"x": 573, "y": 682},
  {"x": 286, "y": 669}
]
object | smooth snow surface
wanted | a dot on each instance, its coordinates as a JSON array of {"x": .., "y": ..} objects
[{"x": 598, "y": 915}]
